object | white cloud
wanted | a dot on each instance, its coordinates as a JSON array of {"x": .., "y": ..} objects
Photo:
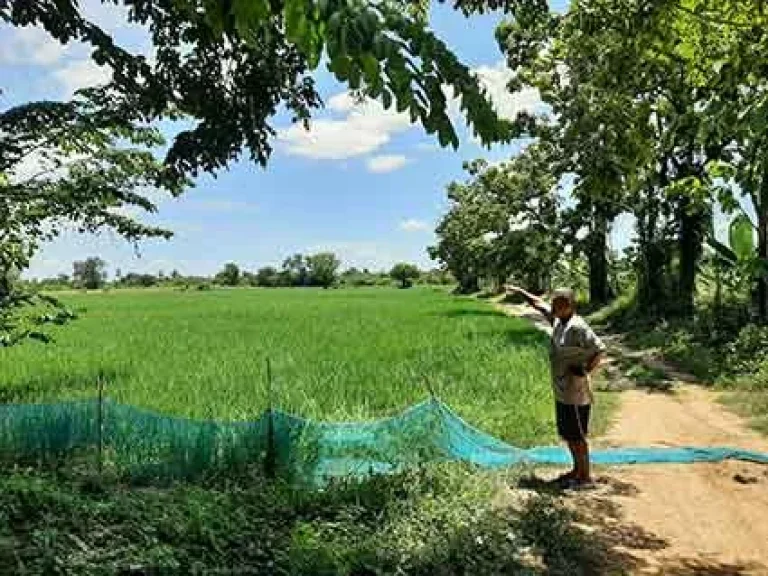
[
  {"x": 344, "y": 102},
  {"x": 495, "y": 80},
  {"x": 78, "y": 74},
  {"x": 30, "y": 45},
  {"x": 45, "y": 163},
  {"x": 386, "y": 163},
  {"x": 365, "y": 127},
  {"x": 414, "y": 225}
]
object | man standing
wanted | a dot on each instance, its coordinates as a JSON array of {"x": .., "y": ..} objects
[{"x": 575, "y": 352}]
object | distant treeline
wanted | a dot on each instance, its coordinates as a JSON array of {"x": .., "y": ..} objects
[{"x": 298, "y": 270}]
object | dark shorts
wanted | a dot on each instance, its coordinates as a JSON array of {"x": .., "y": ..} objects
[{"x": 572, "y": 421}]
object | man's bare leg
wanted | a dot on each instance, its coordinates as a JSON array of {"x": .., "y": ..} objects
[
  {"x": 574, "y": 472},
  {"x": 580, "y": 452}
]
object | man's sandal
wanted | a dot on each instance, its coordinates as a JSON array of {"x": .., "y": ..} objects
[{"x": 578, "y": 485}]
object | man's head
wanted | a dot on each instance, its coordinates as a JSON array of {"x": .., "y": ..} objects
[{"x": 563, "y": 303}]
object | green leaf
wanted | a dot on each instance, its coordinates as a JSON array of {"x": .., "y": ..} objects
[
  {"x": 445, "y": 134},
  {"x": 386, "y": 96},
  {"x": 340, "y": 67},
  {"x": 315, "y": 49},
  {"x": 370, "y": 67},
  {"x": 354, "y": 77},
  {"x": 295, "y": 21},
  {"x": 741, "y": 236},
  {"x": 214, "y": 16},
  {"x": 249, "y": 14},
  {"x": 723, "y": 252}
]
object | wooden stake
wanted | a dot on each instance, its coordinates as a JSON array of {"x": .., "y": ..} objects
[
  {"x": 270, "y": 457},
  {"x": 100, "y": 424}
]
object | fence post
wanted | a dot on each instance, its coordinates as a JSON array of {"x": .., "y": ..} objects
[
  {"x": 269, "y": 459},
  {"x": 100, "y": 424}
]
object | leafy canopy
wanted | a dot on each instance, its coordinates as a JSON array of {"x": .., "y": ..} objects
[
  {"x": 228, "y": 66},
  {"x": 72, "y": 165}
]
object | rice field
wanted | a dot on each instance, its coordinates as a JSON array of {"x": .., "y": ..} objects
[{"x": 334, "y": 355}]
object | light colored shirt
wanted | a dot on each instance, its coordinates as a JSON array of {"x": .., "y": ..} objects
[{"x": 573, "y": 345}]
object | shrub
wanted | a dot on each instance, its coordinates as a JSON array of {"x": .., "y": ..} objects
[{"x": 749, "y": 351}]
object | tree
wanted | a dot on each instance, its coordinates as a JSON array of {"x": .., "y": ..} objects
[
  {"x": 90, "y": 163},
  {"x": 296, "y": 270},
  {"x": 462, "y": 233},
  {"x": 438, "y": 277},
  {"x": 629, "y": 96},
  {"x": 138, "y": 280},
  {"x": 268, "y": 277},
  {"x": 355, "y": 277},
  {"x": 503, "y": 220},
  {"x": 589, "y": 124},
  {"x": 90, "y": 273},
  {"x": 229, "y": 276},
  {"x": 731, "y": 41},
  {"x": 323, "y": 268},
  {"x": 404, "y": 273},
  {"x": 248, "y": 279}
]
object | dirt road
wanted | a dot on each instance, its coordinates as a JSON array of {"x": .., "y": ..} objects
[
  {"x": 679, "y": 519},
  {"x": 698, "y": 518}
]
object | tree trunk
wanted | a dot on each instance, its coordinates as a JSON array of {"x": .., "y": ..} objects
[
  {"x": 718, "y": 292},
  {"x": 5, "y": 286},
  {"x": 762, "y": 249},
  {"x": 692, "y": 222},
  {"x": 468, "y": 284},
  {"x": 652, "y": 264},
  {"x": 598, "y": 261}
]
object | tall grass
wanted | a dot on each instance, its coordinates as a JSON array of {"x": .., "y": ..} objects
[{"x": 335, "y": 355}]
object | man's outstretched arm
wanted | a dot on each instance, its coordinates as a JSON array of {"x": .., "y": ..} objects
[{"x": 534, "y": 301}]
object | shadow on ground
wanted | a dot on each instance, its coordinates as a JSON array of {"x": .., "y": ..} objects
[
  {"x": 623, "y": 373},
  {"x": 587, "y": 532},
  {"x": 526, "y": 336}
]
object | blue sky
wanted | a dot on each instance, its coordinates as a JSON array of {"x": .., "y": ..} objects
[{"x": 363, "y": 182}]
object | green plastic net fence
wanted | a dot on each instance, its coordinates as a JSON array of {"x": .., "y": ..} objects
[{"x": 144, "y": 444}]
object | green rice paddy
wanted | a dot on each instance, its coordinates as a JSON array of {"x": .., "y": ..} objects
[{"x": 334, "y": 355}]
